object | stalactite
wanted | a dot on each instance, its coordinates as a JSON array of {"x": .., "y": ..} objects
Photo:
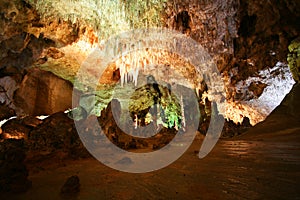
[
  {"x": 197, "y": 92},
  {"x": 122, "y": 67},
  {"x": 135, "y": 77},
  {"x": 144, "y": 63}
]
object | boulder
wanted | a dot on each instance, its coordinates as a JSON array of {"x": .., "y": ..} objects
[
  {"x": 71, "y": 186},
  {"x": 43, "y": 93},
  {"x": 6, "y": 112},
  {"x": 14, "y": 129},
  {"x": 8, "y": 85},
  {"x": 232, "y": 129},
  {"x": 13, "y": 172},
  {"x": 31, "y": 121},
  {"x": 56, "y": 133}
]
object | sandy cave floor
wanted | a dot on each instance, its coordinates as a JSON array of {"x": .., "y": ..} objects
[{"x": 261, "y": 168}]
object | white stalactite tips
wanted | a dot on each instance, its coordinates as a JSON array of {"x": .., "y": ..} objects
[{"x": 146, "y": 50}]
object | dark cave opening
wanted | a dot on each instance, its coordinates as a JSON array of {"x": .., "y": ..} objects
[
  {"x": 183, "y": 21},
  {"x": 247, "y": 26}
]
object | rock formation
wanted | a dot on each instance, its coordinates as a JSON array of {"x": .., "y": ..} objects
[{"x": 41, "y": 54}]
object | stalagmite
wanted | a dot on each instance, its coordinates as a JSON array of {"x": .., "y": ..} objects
[
  {"x": 182, "y": 113},
  {"x": 175, "y": 125},
  {"x": 136, "y": 121}
]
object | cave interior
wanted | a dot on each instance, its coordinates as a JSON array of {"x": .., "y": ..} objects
[{"x": 214, "y": 81}]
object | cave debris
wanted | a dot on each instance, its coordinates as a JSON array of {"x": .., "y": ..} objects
[{"x": 71, "y": 186}]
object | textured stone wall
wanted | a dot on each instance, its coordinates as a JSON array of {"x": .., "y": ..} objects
[
  {"x": 247, "y": 34},
  {"x": 243, "y": 36},
  {"x": 23, "y": 35},
  {"x": 265, "y": 31},
  {"x": 212, "y": 23}
]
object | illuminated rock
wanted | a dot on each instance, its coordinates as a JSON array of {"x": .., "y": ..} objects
[{"x": 43, "y": 93}]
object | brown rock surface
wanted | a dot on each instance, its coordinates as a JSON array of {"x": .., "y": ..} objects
[
  {"x": 6, "y": 112},
  {"x": 24, "y": 35},
  {"x": 71, "y": 186},
  {"x": 123, "y": 139},
  {"x": 56, "y": 133},
  {"x": 43, "y": 93},
  {"x": 14, "y": 129},
  {"x": 13, "y": 172}
]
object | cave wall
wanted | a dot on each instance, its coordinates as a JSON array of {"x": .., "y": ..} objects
[
  {"x": 249, "y": 35},
  {"x": 24, "y": 35},
  {"x": 26, "y": 39},
  {"x": 242, "y": 35},
  {"x": 212, "y": 23},
  {"x": 265, "y": 31}
]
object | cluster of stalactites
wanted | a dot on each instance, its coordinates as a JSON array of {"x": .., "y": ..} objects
[
  {"x": 131, "y": 64},
  {"x": 150, "y": 62}
]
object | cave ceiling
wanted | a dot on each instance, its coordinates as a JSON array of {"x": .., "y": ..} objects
[{"x": 245, "y": 39}]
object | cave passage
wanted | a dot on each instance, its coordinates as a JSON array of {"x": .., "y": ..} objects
[{"x": 155, "y": 99}]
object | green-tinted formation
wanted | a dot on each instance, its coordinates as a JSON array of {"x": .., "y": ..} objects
[
  {"x": 140, "y": 103},
  {"x": 93, "y": 103},
  {"x": 63, "y": 68},
  {"x": 143, "y": 13},
  {"x": 168, "y": 109},
  {"x": 294, "y": 59}
]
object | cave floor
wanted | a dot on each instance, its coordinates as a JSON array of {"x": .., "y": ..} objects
[{"x": 241, "y": 168}]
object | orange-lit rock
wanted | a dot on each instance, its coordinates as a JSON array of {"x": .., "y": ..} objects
[{"x": 43, "y": 93}]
